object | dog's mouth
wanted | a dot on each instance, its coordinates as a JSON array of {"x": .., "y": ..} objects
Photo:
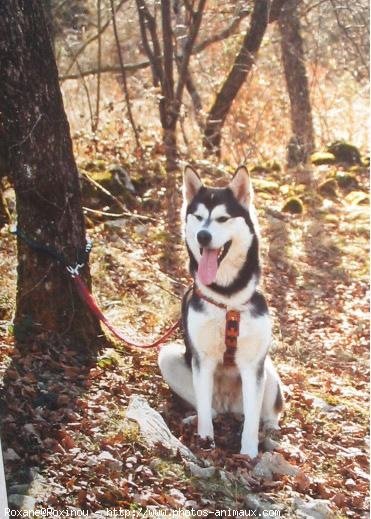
[{"x": 210, "y": 261}]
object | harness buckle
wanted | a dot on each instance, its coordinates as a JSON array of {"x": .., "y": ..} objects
[{"x": 75, "y": 271}]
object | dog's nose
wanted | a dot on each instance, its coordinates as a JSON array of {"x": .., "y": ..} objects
[{"x": 204, "y": 238}]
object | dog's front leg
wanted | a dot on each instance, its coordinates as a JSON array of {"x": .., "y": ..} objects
[
  {"x": 203, "y": 381},
  {"x": 252, "y": 393}
]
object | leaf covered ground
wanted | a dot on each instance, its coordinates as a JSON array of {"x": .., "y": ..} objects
[{"x": 65, "y": 436}]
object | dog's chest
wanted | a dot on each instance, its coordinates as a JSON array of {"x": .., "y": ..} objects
[{"x": 207, "y": 333}]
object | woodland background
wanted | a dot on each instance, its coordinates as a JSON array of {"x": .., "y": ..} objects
[{"x": 149, "y": 86}]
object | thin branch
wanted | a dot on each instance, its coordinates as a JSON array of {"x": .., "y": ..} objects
[
  {"x": 120, "y": 215},
  {"x": 134, "y": 67},
  {"x": 167, "y": 37},
  {"x": 188, "y": 47},
  {"x": 105, "y": 191},
  {"x": 107, "y": 69},
  {"x": 99, "y": 58},
  {"x": 148, "y": 22},
  {"x": 348, "y": 37},
  {"x": 92, "y": 39},
  {"x": 224, "y": 34},
  {"x": 85, "y": 87},
  {"x": 123, "y": 73}
]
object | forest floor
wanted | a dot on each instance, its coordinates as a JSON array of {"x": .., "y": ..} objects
[{"x": 66, "y": 440}]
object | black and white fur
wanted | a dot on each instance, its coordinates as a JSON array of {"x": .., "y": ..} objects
[{"x": 196, "y": 373}]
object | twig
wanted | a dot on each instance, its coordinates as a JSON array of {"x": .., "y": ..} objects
[
  {"x": 120, "y": 215},
  {"x": 28, "y": 136},
  {"x": 105, "y": 191}
]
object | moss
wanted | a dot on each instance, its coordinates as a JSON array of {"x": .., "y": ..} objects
[
  {"x": 366, "y": 161},
  {"x": 274, "y": 165},
  {"x": 293, "y": 205},
  {"x": 261, "y": 184},
  {"x": 322, "y": 157},
  {"x": 95, "y": 165},
  {"x": 357, "y": 198},
  {"x": 259, "y": 168}
]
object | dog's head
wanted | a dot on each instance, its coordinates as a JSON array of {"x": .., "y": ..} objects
[{"x": 219, "y": 228}]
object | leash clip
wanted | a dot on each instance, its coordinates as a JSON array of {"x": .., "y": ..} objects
[{"x": 75, "y": 271}]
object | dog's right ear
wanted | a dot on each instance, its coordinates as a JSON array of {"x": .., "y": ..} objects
[{"x": 191, "y": 184}]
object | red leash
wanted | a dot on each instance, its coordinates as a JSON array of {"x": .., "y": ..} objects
[{"x": 94, "y": 308}]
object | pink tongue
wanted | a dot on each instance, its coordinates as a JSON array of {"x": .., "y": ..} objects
[{"x": 208, "y": 266}]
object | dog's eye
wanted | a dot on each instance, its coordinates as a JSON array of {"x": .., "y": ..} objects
[
  {"x": 199, "y": 218},
  {"x": 222, "y": 219}
]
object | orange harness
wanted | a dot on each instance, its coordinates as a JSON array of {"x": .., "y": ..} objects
[{"x": 232, "y": 328}]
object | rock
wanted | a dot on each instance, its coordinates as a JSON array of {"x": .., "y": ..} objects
[
  {"x": 273, "y": 463},
  {"x": 328, "y": 188},
  {"x": 315, "y": 508},
  {"x": 178, "y": 496},
  {"x": 270, "y": 445},
  {"x": 25, "y": 503},
  {"x": 121, "y": 176},
  {"x": 262, "y": 505},
  {"x": 346, "y": 180},
  {"x": 109, "y": 461},
  {"x": 118, "y": 223},
  {"x": 154, "y": 429},
  {"x": 322, "y": 157},
  {"x": 11, "y": 455},
  {"x": 200, "y": 472},
  {"x": 317, "y": 402},
  {"x": 294, "y": 206},
  {"x": 19, "y": 489},
  {"x": 345, "y": 152}
]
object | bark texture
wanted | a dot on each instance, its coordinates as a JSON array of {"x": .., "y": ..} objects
[
  {"x": 301, "y": 143},
  {"x": 45, "y": 178}
]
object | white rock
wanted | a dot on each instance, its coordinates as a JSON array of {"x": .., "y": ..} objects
[
  {"x": 273, "y": 463},
  {"x": 178, "y": 496},
  {"x": 200, "y": 472},
  {"x": 111, "y": 462},
  {"x": 26, "y": 503},
  {"x": 153, "y": 427},
  {"x": 11, "y": 455},
  {"x": 314, "y": 508}
]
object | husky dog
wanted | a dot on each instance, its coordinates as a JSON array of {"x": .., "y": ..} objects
[{"x": 221, "y": 235}]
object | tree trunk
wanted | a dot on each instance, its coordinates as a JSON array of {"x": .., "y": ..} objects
[
  {"x": 236, "y": 77},
  {"x": 45, "y": 179},
  {"x": 302, "y": 140}
]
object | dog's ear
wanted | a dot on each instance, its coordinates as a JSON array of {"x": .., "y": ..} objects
[
  {"x": 191, "y": 184},
  {"x": 241, "y": 186}
]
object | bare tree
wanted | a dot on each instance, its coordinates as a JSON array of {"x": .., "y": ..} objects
[
  {"x": 237, "y": 76},
  {"x": 161, "y": 52},
  {"x": 45, "y": 178},
  {"x": 302, "y": 140}
]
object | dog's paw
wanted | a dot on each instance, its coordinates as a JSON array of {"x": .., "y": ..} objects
[
  {"x": 205, "y": 443},
  {"x": 270, "y": 426},
  {"x": 249, "y": 449},
  {"x": 189, "y": 419},
  {"x": 271, "y": 429}
]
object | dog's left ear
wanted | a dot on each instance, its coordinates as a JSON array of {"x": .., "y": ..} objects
[
  {"x": 241, "y": 186},
  {"x": 191, "y": 184}
]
